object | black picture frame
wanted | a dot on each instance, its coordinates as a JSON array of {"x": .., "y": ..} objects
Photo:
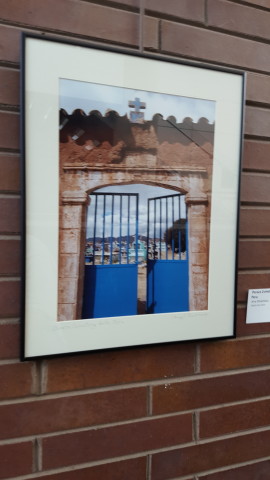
[{"x": 51, "y": 322}]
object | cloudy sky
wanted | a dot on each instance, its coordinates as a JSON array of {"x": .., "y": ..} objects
[
  {"x": 91, "y": 96},
  {"x": 145, "y": 192}
]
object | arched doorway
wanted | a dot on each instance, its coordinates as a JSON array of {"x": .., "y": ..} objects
[
  {"x": 136, "y": 255},
  {"x": 98, "y": 151}
]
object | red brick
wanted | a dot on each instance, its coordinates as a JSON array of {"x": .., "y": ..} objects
[
  {"x": 9, "y": 133},
  {"x": 255, "y": 188},
  {"x": 203, "y": 392},
  {"x": 185, "y": 9},
  {"x": 9, "y": 299},
  {"x": 255, "y": 222},
  {"x": 129, "y": 3},
  {"x": 9, "y": 44},
  {"x": 16, "y": 380},
  {"x": 200, "y": 458},
  {"x": 15, "y": 459},
  {"x": 261, "y": 3},
  {"x": 9, "y": 341},
  {"x": 238, "y": 18},
  {"x": 254, "y": 254},
  {"x": 9, "y": 173},
  {"x": 52, "y": 415},
  {"x": 244, "y": 329},
  {"x": 258, "y": 88},
  {"x": 234, "y": 354},
  {"x": 82, "y": 19},
  {"x": 202, "y": 44},
  {"x": 134, "y": 469},
  {"x": 257, "y": 471},
  {"x": 256, "y": 155},
  {"x": 10, "y": 257},
  {"x": 235, "y": 418},
  {"x": 9, "y": 93},
  {"x": 10, "y": 215},
  {"x": 250, "y": 280},
  {"x": 72, "y": 449},
  {"x": 135, "y": 365},
  {"x": 257, "y": 121}
]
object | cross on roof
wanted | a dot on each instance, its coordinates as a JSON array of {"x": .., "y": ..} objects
[
  {"x": 135, "y": 115},
  {"x": 137, "y": 104}
]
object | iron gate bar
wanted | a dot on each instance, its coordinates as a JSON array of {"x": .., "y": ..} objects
[
  {"x": 173, "y": 228},
  {"x": 121, "y": 197},
  {"x": 137, "y": 228},
  {"x": 155, "y": 213},
  {"x": 158, "y": 203},
  {"x": 160, "y": 221},
  {"x": 103, "y": 228},
  {"x": 120, "y": 231},
  {"x": 166, "y": 226},
  {"x": 167, "y": 272},
  {"x": 111, "y": 229},
  {"x": 95, "y": 226},
  {"x": 147, "y": 239},
  {"x": 128, "y": 231},
  {"x": 179, "y": 232}
]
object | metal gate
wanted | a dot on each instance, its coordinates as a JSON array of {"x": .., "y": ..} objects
[
  {"x": 111, "y": 269},
  {"x": 167, "y": 258}
]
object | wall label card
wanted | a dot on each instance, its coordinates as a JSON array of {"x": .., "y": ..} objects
[{"x": 258, "y": 306}]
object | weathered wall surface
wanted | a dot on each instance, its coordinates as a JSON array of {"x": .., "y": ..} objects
[
  {"x": 111, "y": 150},
  {"x": 191, "y": 411}
]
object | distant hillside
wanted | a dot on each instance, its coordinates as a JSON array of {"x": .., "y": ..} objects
[{"x": 124, "y": 238}]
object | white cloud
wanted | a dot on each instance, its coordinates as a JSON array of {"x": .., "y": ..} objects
[
  {"x": 144, "y": 192},
  {"x": 90, "y": 96}
]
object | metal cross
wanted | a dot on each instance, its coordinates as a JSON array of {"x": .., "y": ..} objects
[{"x": 137, "y": 104}]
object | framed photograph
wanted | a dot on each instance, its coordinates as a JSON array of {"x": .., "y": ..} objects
[{"x": 132, "y": 166}]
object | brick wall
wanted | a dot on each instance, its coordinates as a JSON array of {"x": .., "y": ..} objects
[{"x": 188, "y": 411}]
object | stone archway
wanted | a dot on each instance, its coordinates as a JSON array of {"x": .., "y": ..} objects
[{"x": 139, "y": 156}]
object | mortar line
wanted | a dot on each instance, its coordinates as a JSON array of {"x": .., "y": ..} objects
[
  {"x": 206, "y": 13},
  {"x": 230, "y": 467},
  {"x": 34, "y": 476},
  {"x": 159, "y": 35},
  {"x": 99, "y": 41},
  {"x": 197, "y": 363},
  {"x": 10, "y": 361},
  {"x": 10, "y": 279},
  {"x": 36, "y": 456},
  {"x": 265, "y": 174},
  {"x": 39, "y": 455},
  {"x": 10, "y": 321},
  {"x": 156, "y": 383},
  {"x": 141, "y": 25},
  {"x": 150, "y": 401},
  {"x": 137, "y": 420},
  {"x": 196, "y": 426},
  {"x": 43, "y": 377},
  {"x": 10, "y": 237},
  {"x": 150, "y": 452},
  {"x": 149, "y": 467},
  {"x": 143, "y": 454},
  {"x": 254, "y": 239},
  {"x": 10, "y": 195}
]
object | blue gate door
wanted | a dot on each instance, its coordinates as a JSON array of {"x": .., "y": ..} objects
[
  {"x": 167, "y": 263},
  {"x": 111, "y": 257}
]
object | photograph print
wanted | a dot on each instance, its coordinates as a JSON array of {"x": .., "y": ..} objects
[
  {"x": 135, "y": 170},
  {"x": 131, "y": 205}
]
